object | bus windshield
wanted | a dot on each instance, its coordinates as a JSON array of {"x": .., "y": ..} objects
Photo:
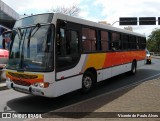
[{"x": 32, "y": 49}]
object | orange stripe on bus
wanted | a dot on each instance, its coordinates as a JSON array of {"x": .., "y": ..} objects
[
  {"x": 105, "y": 60},
  {"x": 119, "y": 58}
]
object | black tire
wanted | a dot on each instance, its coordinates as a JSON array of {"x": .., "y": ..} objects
[
  {"x": 133, "y": 68},
  {"x": 88, "y": 82},
  {"x": 148, "y": 62}
]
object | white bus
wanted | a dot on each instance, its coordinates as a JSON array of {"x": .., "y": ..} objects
[{"x": 53, "y": 54}]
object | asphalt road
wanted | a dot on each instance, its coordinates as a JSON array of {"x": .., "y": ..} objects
[{"x": 12, "y": 101}]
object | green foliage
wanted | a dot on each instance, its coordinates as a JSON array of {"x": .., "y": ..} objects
[{"x": 153, "y": 41}]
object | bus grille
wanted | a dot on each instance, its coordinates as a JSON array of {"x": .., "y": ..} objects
[{"x": 23, "y": 83}]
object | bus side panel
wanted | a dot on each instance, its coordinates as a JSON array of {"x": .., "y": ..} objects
[
  {"x": 71, "y": 79},
  {"x": 113, "y": 71},
  {"x": 73, "y": 71},
  {"x": 49, "y": 77},
  {"x": 67, "y": 85},
  {"x": 117, "y": 70},
  {"x": 95, "y": 61},
  {"x": 99, "y": 75},
  {"x": 107, "y": 73},
  {"x": 127, "y": 67}
]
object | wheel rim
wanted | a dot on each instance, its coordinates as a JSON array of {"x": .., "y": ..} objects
[{"x": 87, "y": 82}]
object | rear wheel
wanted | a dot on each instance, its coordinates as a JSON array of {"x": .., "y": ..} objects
[
  {"x": 133, "y": 68},
  {"x": 88, "y": 82}
]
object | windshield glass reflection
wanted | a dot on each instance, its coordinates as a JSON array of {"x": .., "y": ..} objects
[{"x": 32, "y": 49}]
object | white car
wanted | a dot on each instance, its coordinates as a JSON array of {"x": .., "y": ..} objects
[{"x": 148, "y": 57}]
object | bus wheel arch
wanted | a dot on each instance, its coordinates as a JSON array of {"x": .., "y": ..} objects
[{"x": 89, "y": 80}]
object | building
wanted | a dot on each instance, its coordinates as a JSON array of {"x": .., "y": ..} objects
[{"x": 8, "y": 16}]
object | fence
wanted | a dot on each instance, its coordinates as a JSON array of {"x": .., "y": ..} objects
[{"x": 155, "y": 53}]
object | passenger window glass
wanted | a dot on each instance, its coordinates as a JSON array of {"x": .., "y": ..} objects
[
  {"x": 132, "y": 42},
  {"x": 89, "y": 39},
  {"x": 124, "y": 39},
  {"x": 104, "y": 41},
  {"x": 116, "y": 42},
  {"x": 67, "y": 48},
  {"x": 61, "y": 42},
  {"x": 73, "y": 47},
  {"x": 141, "y": 43}
]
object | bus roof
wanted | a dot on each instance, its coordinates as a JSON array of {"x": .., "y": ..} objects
[
  {"x": 89, "y": 23},
  {"x": 94, "y": 24}
]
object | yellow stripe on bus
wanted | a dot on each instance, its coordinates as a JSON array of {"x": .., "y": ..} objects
[{"x": 95, "y": 60}]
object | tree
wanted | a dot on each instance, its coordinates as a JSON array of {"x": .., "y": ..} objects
[
  {"x": 129, "y": 28},
  {"x": 153, "y": 42},
  {"x": 71, "y": 11}
]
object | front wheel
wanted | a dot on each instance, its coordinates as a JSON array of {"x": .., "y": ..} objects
[{"x": 87, "y": 82}]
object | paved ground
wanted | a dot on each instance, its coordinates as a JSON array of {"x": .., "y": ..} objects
[
  {"x": 144, "y": 97},
  {"x": 2, "y": 85}
]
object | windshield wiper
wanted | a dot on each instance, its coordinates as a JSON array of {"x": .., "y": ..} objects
[
  {"x": 37, "y": 26},
  {"x": 32, "y": 34},
  {"x": 19, "y": 33}
]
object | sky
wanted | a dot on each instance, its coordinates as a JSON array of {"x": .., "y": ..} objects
[{"x": 96, "y": 10}]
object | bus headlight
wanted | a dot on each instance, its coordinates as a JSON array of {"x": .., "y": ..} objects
[{"x": 41, "y": 84}]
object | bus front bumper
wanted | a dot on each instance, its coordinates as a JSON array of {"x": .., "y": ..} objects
[{"x": 25, "y": 89}]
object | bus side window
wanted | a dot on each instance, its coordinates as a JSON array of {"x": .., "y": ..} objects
[
  {"x": 89, "y": 40},
  {"x": 104, "y": 41},
  {"x": 61, "y": 42},
  {"x": 73, "y": 43},
  {"x": 67, "y": 48},
  {"x": 125, "y": 40},
  {"x": 116, "y": 42}
]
